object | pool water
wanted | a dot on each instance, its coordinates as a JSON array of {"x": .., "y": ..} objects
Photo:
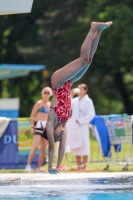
[{"x": 79, "y": 189}]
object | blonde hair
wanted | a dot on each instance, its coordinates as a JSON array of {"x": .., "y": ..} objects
[{"x": 47, "y": 88}]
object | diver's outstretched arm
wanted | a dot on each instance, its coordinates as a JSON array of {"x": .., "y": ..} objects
[{"x": 61, "y": 150}]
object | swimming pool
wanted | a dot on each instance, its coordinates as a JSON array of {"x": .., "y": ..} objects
[{"x": 119, "y": 188}]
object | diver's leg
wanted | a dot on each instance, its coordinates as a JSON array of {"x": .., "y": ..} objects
[
  {"x": 92, "y": 52},
  {"x": 72, "y": 69}
]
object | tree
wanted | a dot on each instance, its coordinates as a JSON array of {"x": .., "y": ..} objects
[
  {"x": 52, "y": 34},
  {"x": 111, "y": 71},
  {"x": 37, "y": 38}
]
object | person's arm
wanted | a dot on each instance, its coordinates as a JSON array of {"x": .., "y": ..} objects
[
  {"x": 61, "y": 150},
  {"x": 50, "y": 135},
  {"x": 33, "y": 115}
]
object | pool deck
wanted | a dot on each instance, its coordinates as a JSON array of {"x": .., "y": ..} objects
[{"x": 61, "y": 176}]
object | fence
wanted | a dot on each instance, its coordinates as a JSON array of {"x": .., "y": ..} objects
[
  {"x": 17, "y": 141},
  {"x": 120, "y": 148}
]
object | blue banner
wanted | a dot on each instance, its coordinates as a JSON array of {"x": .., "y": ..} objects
[{"x": 9, "y": 156}]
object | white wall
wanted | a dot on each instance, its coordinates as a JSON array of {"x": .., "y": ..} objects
[
  {"x": 9, "y": 104},
  {"x": 15, "y": 6}
]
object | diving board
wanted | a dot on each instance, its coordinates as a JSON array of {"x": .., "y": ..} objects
[
  {"x": 15, "y": 6},
  {"x": 8, "y": 71}
]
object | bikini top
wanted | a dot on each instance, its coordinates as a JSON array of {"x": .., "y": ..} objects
[
  {"x": 42, "y": 109},
  {"x": 63, "y": 108}
]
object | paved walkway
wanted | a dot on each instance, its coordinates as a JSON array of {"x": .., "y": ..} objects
[{"x": 60, "y": 176}]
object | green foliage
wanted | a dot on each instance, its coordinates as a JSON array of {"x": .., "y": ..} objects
[
  {"x": 52, "y": 35},
  {"x": 113, "y": 61}
]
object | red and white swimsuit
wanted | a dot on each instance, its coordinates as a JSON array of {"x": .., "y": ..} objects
[{"x": 63, "y": 108}]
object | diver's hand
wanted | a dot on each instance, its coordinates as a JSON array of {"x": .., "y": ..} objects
[{"x": 53, "y": 171}]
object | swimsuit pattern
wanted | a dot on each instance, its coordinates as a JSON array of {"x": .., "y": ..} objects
[{"x": 63, "y": 108}]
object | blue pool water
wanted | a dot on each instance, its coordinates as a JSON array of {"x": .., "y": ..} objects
[{"x": 78, "y": 189}]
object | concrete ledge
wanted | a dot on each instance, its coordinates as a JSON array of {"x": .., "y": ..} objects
[{"x": 61, "y": 176}]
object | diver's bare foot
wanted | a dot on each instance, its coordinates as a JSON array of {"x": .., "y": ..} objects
[{"x": 100, "y": 25}]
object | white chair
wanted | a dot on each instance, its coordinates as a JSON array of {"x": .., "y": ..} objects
[{"x": 15, "y": 6}]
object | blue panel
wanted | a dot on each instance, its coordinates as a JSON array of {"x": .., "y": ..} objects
[
  {"x": 9, "y": 113},
  {"x": 9, "y": 157},
  {"x": 18, "y": 70},
  {"x": 22, "y": 66}
]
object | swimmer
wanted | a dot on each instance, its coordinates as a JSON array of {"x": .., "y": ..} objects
[
  {"x": 62, "y": 81},
  {"x": 38, "y": 118}
]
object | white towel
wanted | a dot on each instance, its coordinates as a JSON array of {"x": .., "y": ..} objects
[
  {"x": 73, "y": 134},
  {"x": 4, "y": 121},
  {"x": 38, "y": 125}
]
